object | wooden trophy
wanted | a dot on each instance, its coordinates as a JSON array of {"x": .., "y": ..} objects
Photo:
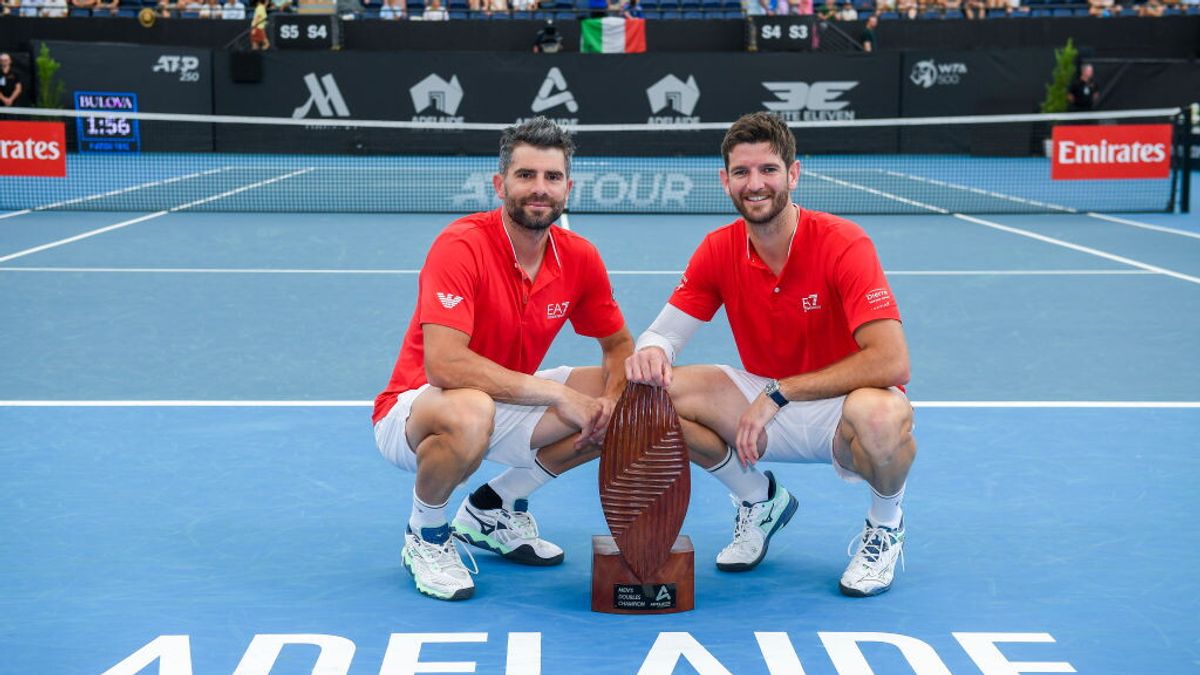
[{"x": 645, "y": 567}]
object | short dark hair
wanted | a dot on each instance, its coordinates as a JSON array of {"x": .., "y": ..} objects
[
  {"x": 538, "y": 132},
  {"x": 761, "y": 127}
]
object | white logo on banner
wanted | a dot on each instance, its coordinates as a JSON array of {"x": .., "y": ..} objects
[
  {"x": 800, "y": 101},
  {"x": 188, "y": 67},
  {"x": 325, "y": 95},
  {"x": 676, "y": 95},
  {"x": 444, "y": 97},
  {"x": 547, "y": 98},
  {"x": 928, "y": 73}
]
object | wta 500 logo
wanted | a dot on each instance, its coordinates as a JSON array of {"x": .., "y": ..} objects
[{"x": 33, "y": 149}]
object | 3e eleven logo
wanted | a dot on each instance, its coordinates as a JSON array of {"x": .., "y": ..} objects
[{"x": 33, "y": 149}]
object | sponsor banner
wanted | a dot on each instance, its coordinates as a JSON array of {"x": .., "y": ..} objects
[
  {"x": 33, "y": 149},
  {"x": 161, "y": 78},
  {"x": 454, "y": 88},
  {"x": 937, "y": 83},
  {"x": 1111, "y": 151}
]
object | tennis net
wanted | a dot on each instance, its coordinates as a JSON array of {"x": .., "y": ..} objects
[{"x": 1112, "y": 161}]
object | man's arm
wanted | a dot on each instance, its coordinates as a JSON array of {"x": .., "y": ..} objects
[
  {"x": 659, "y": 345},
  {"x": 881, "y": 362},
  {"x": 450, "y": 364}
]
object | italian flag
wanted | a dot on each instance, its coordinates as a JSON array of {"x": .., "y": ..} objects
[{"x": 612, "y": 35}]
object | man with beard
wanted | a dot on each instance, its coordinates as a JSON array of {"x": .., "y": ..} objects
[
  {"x": 495, "y": 289},
  {"x": 819, "y": 335}
]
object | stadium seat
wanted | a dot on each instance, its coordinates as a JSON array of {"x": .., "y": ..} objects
[
  {"x": 954, "y": 14},
  {"x": 672, "y": 14},
  {"x": 522, "y": 16},
  {"x": 80, "y": 12},
  {"x": 888, "y": 16}
]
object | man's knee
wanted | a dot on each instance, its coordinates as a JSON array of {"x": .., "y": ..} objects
[
  {"x": 467, "y": 418},
  {"x": 881, "y": 422}
]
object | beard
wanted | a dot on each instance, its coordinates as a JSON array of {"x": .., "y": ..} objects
[
  {"x": 778, "y": 201},
  {"x": 529, "y": 220}
]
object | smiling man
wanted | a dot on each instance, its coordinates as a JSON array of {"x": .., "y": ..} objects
[
  {"x": 822, "y": 348},
  {"x": 495, "y": 290}
]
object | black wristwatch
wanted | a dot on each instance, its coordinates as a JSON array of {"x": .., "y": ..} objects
[{"x": 772, "y": 392}]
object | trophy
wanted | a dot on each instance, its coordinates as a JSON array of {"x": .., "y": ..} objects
[{"x": 645, "y": 567}]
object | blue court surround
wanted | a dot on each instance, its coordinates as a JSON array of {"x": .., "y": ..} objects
[{"x": 122, "y": 524}]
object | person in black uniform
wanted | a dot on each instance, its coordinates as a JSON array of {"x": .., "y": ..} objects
[{"x": 1084, "y": 94}]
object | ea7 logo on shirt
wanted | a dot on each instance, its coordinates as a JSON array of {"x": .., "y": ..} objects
[
  {"x": 557, "y": 310},
  {"x": 448, "y": 300},
  {"x": 810, "y": 302}
]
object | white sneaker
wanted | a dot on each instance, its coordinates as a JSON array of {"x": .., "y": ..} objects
[
  {"x": 434, "y": 564},
  {"x": 512, "y": 534},
  {"x": 874, "y": 563},
  {"x": 754, "y": 526}
]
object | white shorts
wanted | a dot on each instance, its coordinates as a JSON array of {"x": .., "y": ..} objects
[
  {"x": 510, "y": 439},
  {"x": 802, "y": 431}
]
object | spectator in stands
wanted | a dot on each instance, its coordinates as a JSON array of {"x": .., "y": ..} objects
[
  {"x": 392, "y": 9},
  {"x": 1084, "y": 94},
  {"x": 10, "y": 82},
  {"x": 907, "y": 8},
  {"x": 1150, "y": 8},
  {"x": 54, "y": 9},
  {"x": 847, "y": 12},
  {"x": 976, "y": 9},
  {"x": 233, "y": 9},
  {"x": 494, "y": 6},
  {"x": 524, "y": 5},
  {"x": 801, "y": 7},
  {"x": 258, "y": 27},
  {"x": 435, "y": 12},
  {"x": 633, "y": 10},
  {"x": 756, "y": 7},
  {"x": 281, "y": 5},
  {"x": 1103, "y": 8},
  {"x": 97, "y": 6},
  {"x": 163, "y": 8},
  {"x": 828, "y": 11},
  {"x": 867, "y": 38}
]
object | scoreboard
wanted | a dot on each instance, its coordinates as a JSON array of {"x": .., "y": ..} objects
[{"x": 109, "y": 132}]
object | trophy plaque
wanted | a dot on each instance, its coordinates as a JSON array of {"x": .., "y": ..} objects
[{"x": 645, "y": 567}]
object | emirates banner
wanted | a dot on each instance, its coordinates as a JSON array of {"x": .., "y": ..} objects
[
  {"x": 33, "y": 149},
  {"x": 1111, "y": 152}
]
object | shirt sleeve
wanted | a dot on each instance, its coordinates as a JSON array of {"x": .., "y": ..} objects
[
  {"x": 448, "y": 285},
  {"x": 698, "y": 292},
  {"x": 597, "y": 314},
  {"x": 865, "y": 293}
]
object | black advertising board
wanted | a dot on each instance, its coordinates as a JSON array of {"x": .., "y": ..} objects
[
  {"x": 159, "y": 79},
  {"x": 784, "y": 33},
  {"x": 305, "y": 31},
  {"x": 663, "y": 89}
]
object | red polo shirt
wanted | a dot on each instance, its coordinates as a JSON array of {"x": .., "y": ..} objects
[
  {"x": 804, "y": 319},
  {"x": 472, "y": 282}
]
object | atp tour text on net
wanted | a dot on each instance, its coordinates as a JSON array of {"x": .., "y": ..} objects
[{"x": 523, "y": 653}]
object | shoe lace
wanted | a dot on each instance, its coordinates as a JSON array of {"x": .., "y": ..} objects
[
  {"x": 745, "y": 518},
  {"x": 523, "y": 523},
  {"x": 443, "y": 556},
  {"x": 871, "y": 544}
]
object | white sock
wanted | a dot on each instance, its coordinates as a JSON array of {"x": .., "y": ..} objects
[
  {"x": 745, "y": 482},
  {"x": 425, "y": 515},
  {"x": 519, "y": 482},
  {"x": 885, "y": 510}
]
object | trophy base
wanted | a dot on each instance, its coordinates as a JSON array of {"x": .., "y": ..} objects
[{"x": 617, "y": 590}]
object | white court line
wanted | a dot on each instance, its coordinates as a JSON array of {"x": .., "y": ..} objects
[
  {"x": 1016, "y": 230},
  {"x": 231, "y": 403},
  {"x": 398, "y": 272},
  {"x": 149, "y": 216},
  {"x": 980, "y": 191},
  {"x": 118, "y": 191},
  {"x": 1144, "y": 226}
]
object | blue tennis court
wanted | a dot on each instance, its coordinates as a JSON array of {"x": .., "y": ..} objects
[{"x": 191, "y": 485}]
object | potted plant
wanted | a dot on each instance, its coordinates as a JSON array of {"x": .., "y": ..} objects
[{"x": 1056, "y": 91}]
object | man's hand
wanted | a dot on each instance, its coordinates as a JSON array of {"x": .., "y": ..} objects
[
  {"x": 649, "y": 366},
  {"x": 751, "y": 428},
  {"x": 591, "y": 415}
]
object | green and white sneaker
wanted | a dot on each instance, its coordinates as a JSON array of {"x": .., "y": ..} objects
[
  {"x": 512, "y": 534},
  {"x": 754, "y": 526},
  {"x": 435, "y": 565},
  {"x": 874, "y": 563}
]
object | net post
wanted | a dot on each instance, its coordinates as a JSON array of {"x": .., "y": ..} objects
[{"x": 1190, "y": 118}]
